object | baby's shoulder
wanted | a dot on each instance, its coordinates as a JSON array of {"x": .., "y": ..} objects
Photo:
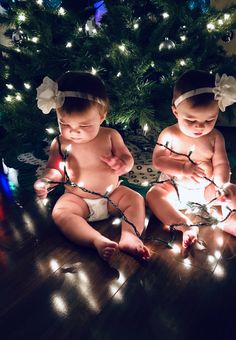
[
  {"x": 169, "y": 132},
  {"x": 106, "y": 131}
]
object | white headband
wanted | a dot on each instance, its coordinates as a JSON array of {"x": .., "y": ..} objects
[
  {"x": 224, "y": 90},
  {"x": 48, "y": 96}
]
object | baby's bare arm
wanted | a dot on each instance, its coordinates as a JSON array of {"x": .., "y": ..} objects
[
  {"x": 220, "y": 162},
  {"x": 51, "y": 173},
  {"x": 120, "y": 160}
]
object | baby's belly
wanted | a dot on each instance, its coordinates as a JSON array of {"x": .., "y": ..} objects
[
  {"x": 202, "y": 182},
  {"x": 95, "y": 181}
]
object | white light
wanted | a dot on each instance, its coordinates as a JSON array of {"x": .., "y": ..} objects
[
  {"x": 226, "y": 16},
  {"x": 210, "y": 26},
  {"x": 27, "y": 86},
  {"x": 152, "y": 64},
  {"x": 61, "y": 11},
  {"x": 9, "y": 86},
  {"x": 183, "y": 37},
  {"x": 81, "y": 184},
  {"x": 62, "y": 165},
  {"x": 213, "y": 226},
  {"x": 109, "y": 188},
  {"x": 187, "y": 262},
  {"x": 93, "y": 71},
  {"x": 219, "y": 271},
  {"x": 54, "y": 265},
  {"x": 220, "y": 241},
  {"x": 176, "y": 250},
  {"x": 59, "y": 304},
  {"x": 21, "y": 17},
  {"x": 118, "y": 74},
  {"x": 220, "y": 22},
  {"x": 145, "y": 128},
  {"x": 182, "y": 62},
  {"x": 68, "y": 44},
  {"x": 45, "y": 201},
  {"x": 35, "y": 39},
  {"x": 217, "y": 254},
  {"x": 116, "y": 221},
  {"x": 136, "y": 26},
  {"x": 39, "y": 2},
  {"x": 146, "y": 221},
  {"x": 68, "y": 148},
  {"x": 94, "y": 31},
  {"x": 50, "y": 131},
  {"x": 211, "y": 258},
  {"x": 80, "y": 29},
  {"x": 18, "y": 97},
  {"x": 122, "y": 47},
  {"x": 145, "y": 183},
  {"x": 165, "y": 15},
  {"x": 8, "y": 98}
]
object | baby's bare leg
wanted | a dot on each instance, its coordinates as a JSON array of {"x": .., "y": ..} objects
[
  {"x": 133, "y": 206},
  {"x": 70, "y": 213},
  {"x": 164, "y": 210}
]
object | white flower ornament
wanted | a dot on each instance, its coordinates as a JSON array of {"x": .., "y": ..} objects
[
  {"x": 225, "y": 90},
  {"x": 47, "y": 95}
]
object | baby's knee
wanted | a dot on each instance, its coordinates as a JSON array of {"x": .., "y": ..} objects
[{"x": 59, "y": 215}]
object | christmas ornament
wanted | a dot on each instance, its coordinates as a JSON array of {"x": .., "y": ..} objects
[
  {"x": 53, "y": 4},
  {"x": 18, "y": 36},
  {"x": 228, "y": 36},
  {"x": 100, "y": 11},
  {"x": 166, "y": 45},
  {"x": 203, "y": 5},
  {"x": 90, "y": 26}
]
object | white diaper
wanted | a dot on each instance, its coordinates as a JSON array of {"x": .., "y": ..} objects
[{"x": 98, "y": 209}]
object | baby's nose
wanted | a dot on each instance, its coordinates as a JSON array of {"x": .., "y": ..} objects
[{"x": 200, "y": 125}]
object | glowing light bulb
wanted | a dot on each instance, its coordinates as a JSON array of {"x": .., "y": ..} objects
[
  {"x": 116, "y": 221},
  {"x": 183, "y": 37},
  {"x": 145, "y": 128},
  {"x": 68, "y": 148},
  {"x": 93, "y": 71},
  {"x": 182, "y": 62},
  {"x": 109, "y": 189},
  {"x": 61, "y": 11},
  {"x": 220, "y": 241},
  {"x": 145, "y": 183},
  {"x": 81, "y": 184},
  {"x": 210, "y": 26},
  {"x": 50, "y": 131},
  {"x": 165, "y": 15},
  {"x": 54, "y": 265},
  {"x": 68, "y": 44},
  {"x": 122, "y": 47},
  {"x": 176, "y": 249},
  {"x": 118, "y": 74},
  {"x": 35, "y": 39},
  {"x": 220, "y": 22},
  {"x": 187, "y": 263},
  {"x": 62, "y": 165},
  {"x": 217, "y": 254},
  {"x": 45, "y": 201},
  {"x": 18, "y": 97},
  {"x": 27, "y": 86},
  {"x": 211, "y": 258},
  {"x": 80, "y": 29},
  {"x": 9, "y": 86},
  {"x": 21, "y": 17},
  {"x": 39, "y": 2},
  {"x": 226, "y": 16},
  {"x": 8, "y": 98},
  {"x": 136, "y": 26}
]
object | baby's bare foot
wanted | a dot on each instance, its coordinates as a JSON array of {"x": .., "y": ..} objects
[
  {"x": 131, "y": 244},
  {"x": 105, "y": 247},
  {"x": 190, "y": 236}
]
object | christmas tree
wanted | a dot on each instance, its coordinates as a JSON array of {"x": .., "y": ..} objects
[{"x": 138, "y": 48}]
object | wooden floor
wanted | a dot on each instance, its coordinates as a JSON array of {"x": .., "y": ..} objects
[{"x": 53, "y": 289}]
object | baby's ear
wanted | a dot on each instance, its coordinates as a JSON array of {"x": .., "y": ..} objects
[
  {"x": 175, "y": 113},
  {"x": 103, "y": 116}
]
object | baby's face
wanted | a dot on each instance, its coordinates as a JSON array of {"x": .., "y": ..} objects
[
  {"x": 196, "y": 121},
  {"x": 80, "y": 127}
]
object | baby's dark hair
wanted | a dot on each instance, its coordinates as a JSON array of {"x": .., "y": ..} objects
[
  {"x": 87, "y": 84},
  {"x": 191, "y": 80}
]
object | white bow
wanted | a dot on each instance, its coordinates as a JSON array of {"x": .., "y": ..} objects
[
  {"x": 48, "y": 96},
  {"x": 225, "y": 90}
]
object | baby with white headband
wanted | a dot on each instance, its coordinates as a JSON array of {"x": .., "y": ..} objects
[
  {"x": 96, "y": 157},
  {"x": 197, "y": 98}
]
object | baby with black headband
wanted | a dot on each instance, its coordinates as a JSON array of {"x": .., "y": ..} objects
[
  {"x": 95, "y": 158},
  {"x": 197, "y": 98}
]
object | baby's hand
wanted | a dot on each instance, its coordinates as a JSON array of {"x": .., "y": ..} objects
[
  {"x": 40, "y": 187},
  {"x": 115, "y": 163},
  {"x": 227, "y": 193},
  {"x": 193, "y": 171}
]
